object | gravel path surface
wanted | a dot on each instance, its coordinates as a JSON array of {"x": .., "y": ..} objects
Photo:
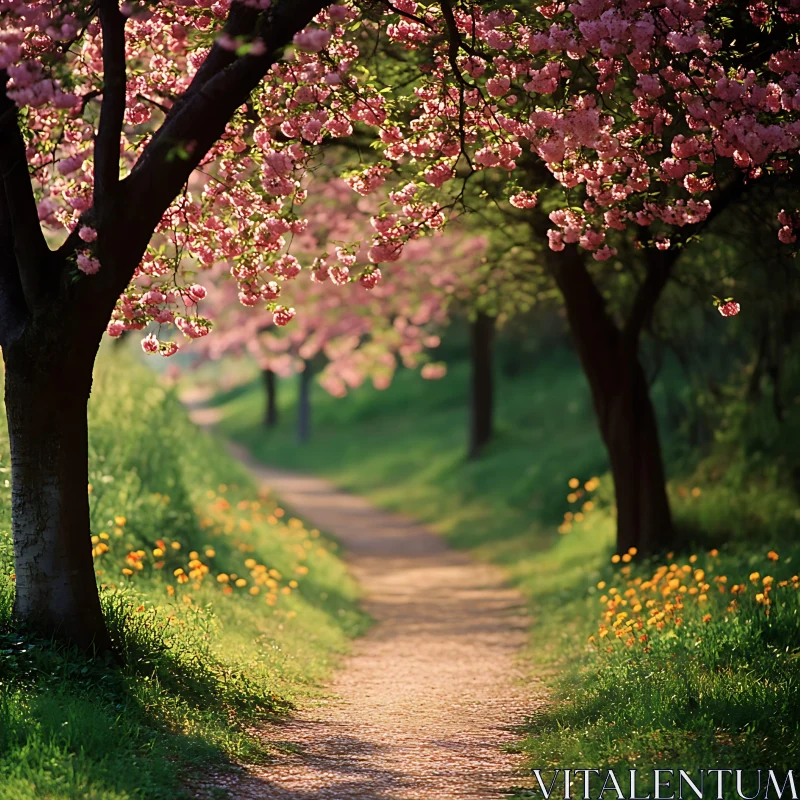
[{"x": 423, "y": 707}]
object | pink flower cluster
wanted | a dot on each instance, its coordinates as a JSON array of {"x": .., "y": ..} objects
[
  {"x": 729, "y": 309},
  {"x": 633, "y": 107},
  {"x": 363, "y": 331}
]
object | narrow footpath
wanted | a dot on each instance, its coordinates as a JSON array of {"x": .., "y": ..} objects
[{"x": 426, "y": 704}]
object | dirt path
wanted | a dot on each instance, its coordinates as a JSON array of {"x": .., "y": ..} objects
[{"x": 423, "y": 707}]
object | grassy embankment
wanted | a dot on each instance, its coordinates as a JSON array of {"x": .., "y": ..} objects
[
  {"x": 716, "y": 679},
  {"x": 227, "y": 611}
]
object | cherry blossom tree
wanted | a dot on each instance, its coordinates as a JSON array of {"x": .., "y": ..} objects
[
  {"x": 143, "y": 142},
  {"x": 105, "y": 113},
  {"x": 620, "y": 120},
  {"x": 352, "y": 332}
]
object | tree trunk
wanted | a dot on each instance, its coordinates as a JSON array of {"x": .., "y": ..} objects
[
  {"x": 625, "y": 412},
  {"x": 630, "y": 432},
  {"x": 56, "y": 591},
  {"x": 304, "y": 404},
  {"x": 271, "y": 411},
  {"x": 482, "y": 384},
  {"x": 51, "y": 324}
]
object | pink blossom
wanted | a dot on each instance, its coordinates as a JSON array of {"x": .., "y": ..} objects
[
  {"x": 192, "y": 328},
  {"x": 197, "y": 292},
  {"x": 87, "y": 264},
  {"x": 270, "y": 291},
  {"x": 369, "y": 280},
  {"x": 604, "y": 253},
  {"x": 439, "y": 174},
  {"x": 319, "y": 270},
  {"x": 347, "y": 258},
  {"x": 498, "y": 86},
  {"x": 283, "y": 316},
  {"x": 247, "y": 299},
  {"x": 287, "y": 267},
  {"x": 339, "y": 13},
  {"x": 339, "y": 275},
  {"x": 71, "y": 164},
  {"x": 153, "y": 297},
  {"x": 383, "y": 250},
  {"x": 555, "y": 240},
  {"x": 150, "y": 344},
  {"x": 524, "y": 200},
  {"x": 168, "y": 349},
  {"x": 115, "y": 328},
  {"x": 312, "y": 40},
  {"x": 647, "y": 70},
  {"x": 729, "y": 309}
]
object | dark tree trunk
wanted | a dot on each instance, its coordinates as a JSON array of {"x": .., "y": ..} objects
[
  {"x": 271, "y": 411},
  {"x": 481, "y": 385},
  {"x": 51, "y": 323},
  {"x": 304, "y": 404},
  {"x": 629, "y": 430},
  {"x": 625, "y": 412},
  {"x": 56, "y": 593}
]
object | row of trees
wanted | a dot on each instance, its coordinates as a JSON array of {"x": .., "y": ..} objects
[
  {"x": 347, "y": 334},
  {"x": 153, "y": 140}
]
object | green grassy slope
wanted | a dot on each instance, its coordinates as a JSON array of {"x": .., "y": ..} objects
[
  {"x": 227, "y": 610},
  {"x": 713, "y": 681}
]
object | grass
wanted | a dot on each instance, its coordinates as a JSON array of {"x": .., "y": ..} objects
[
  {"x": 716, "y": 681},
  {"x": 228, "y": 610}
]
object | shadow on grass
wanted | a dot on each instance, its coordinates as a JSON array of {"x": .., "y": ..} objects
[{"x": 71, "y": 725}]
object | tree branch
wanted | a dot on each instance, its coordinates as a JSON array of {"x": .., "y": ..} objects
[
  {"x": 242, "y": 21},
  {"x": 406, "y": 14},
  {"x": 659, "y": 267},
  {"x": 198, "y": 119},
  {"x": 87, "y": 98},
  {"x": 112, "y": 110},
  {"x": 31, "y": 253},
  {"x": 594, "y": 333},
  {"x": 454, "y": 40}
]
